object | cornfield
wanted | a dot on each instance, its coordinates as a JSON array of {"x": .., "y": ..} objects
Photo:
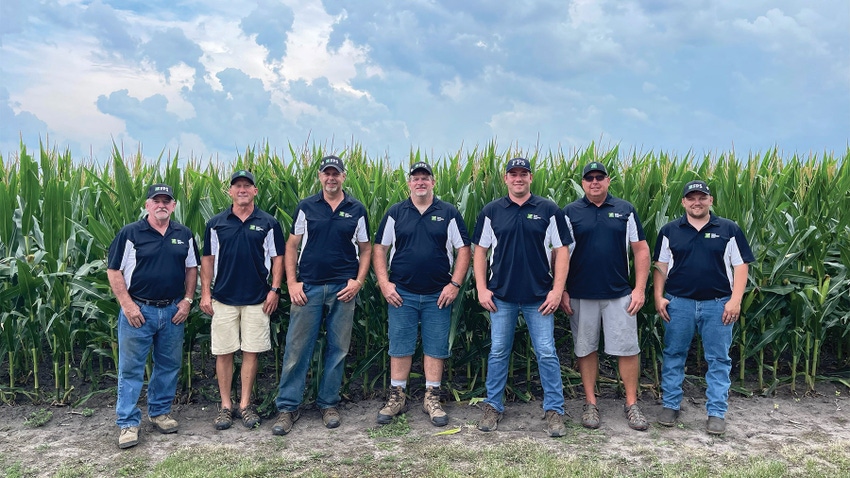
[{"x": 58, "y": 216}]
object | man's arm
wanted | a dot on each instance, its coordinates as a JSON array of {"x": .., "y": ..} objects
[
  {"x": 354, "y": 285},
  {"x": 273, "y": 298},
  {"x": 732, "y": 309},
  {"x": 119, "y": 288},
  {"x": 450, "y": 291},
  {"x": 379, "y": 265},
  {"x": 296, "y": 289},
  {"x": 183, "y": 307},
  {"x": 659, "y": 278},
  {"x": 479, "y": 269},
  {"x": 561, "y": 266},
  {"x": 640, "y": 249},
  {"x": 207, "y": 266}
]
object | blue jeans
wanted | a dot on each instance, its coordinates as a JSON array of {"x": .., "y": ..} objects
[
  {"x": 541, "y": 328},
  {"x": 133, "y": 348},
  {"x": 404, "y": 324},
  {"x": 705, "y": 317},
  {"x": 301, "y": 337}
]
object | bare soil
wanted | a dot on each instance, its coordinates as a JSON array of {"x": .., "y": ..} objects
[{"x": 757, "y": 427}]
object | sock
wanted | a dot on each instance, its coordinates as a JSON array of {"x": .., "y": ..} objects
[
  {"x": 432, "y": 384},
  {"x": 399, "y": 383}
]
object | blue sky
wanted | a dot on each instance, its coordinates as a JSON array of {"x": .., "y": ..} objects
[{"x": 213, "y": 77}]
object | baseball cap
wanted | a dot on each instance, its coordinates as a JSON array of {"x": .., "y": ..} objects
[
  {"x": 160, "y": 189},
  {"x": 421, "y": 165},
  {"x": 332, "y": 162},
  {"x": 594, "y": 166},
  {"x": 521, "y": 163},
  {"x": 242, "y": 173},
  {"x": 696, "y": 186}
]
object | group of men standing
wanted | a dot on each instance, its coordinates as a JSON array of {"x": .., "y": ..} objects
[{"x": 530, "y": 257}]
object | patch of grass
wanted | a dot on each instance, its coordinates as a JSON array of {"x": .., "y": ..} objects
[
  {"x": 135, "y": 466},
  {"x": 38, "y": 418},
  {"x": 75, "y": 470},
  {"x": 398, "y": 427},
  {"x": 221, "y": 462},
  {"x": 17, "y": 470}
]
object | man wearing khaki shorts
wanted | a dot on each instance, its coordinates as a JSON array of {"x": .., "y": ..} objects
[
  {"x": 243, "y": 245},
  {"x": 599, "y": 296}
]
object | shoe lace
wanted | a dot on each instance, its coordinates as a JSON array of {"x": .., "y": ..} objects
[
  {"x": 395, "y": 397},
  {"x": 432, "y": 400}
]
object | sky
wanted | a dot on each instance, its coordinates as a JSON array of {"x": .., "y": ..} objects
[{"x": 210, "y": 78}]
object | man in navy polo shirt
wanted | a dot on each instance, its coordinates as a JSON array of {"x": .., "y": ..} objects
[
  {"x": 153, "y": 271},
  {"x": 524, "y": 232},
  {"x": 243, "y": 246},
  {"x": 702, "y": 261},
  {"x": 332, "y": 229},
  {"x": 422, "y": 234},
  {"x": 599, "y": 296}
]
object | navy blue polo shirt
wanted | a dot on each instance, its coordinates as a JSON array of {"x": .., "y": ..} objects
[
  {"x": 329, "y": 250},
  {"x": 243, "y": 254},
  {"x": 154, "y": 265},
  {"x": 599, "y": 264},
  {"x": 421, "y": 256},
  {"x": 521, "y": 239},
  {"x": 700, "y": 263}
]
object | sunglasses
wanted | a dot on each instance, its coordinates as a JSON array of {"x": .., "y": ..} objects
[{"x": 595, "y": 177}]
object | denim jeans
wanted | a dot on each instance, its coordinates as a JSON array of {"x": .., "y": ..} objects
[
  {"x": 133, "y": 348},
  {"x": 419, "y": 311},
  {"x": 301, "y": 337},
  {"x": 705, "y": 317},
  {"x": 541, "y": 328}
]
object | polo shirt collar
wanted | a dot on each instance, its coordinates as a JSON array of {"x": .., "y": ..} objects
[
  {"x": 147, "y": 225},
  {"x": 532, "y": 201},
  {"x": 435, "y": 204},
  {"x": 230, "y": 212},
  {"x": 712, "y": 220},
  {"x": 588, "y": 203},
  {"x": 320, "y": 197}
]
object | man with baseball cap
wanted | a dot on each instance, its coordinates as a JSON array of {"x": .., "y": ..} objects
[
  {"x": 425, "y": 238},
  {"x": 152, "y": 268},
  {"x": 332, "y": 230},
  {"x": 243, "y": 247},
  {"x": 599, "y": 296},
  {"x": 702, "y": 262},
  {"x": 522, "y": 232}
]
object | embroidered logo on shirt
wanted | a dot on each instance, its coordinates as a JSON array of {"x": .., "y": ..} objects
[
  {"x": 344, "y": 214},
  {"x": 711, "y": 235},
  {"x": 256, "y": 228},
  {"x": 532, "y": 216},
  {"x": 437, "y": 218},
  {"x": 614, "y": 214},
  {"x": 177, "y": 242}
]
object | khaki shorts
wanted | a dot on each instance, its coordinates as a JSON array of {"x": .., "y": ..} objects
[
  {"x": 230, "y": 323},
  {"x": 612, "y": 317}
]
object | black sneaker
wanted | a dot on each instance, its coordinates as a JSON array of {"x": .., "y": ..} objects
[{"x": 668, "y": 417}]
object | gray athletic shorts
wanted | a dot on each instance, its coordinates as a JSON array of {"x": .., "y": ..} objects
[{"x": 610, "y": 315}]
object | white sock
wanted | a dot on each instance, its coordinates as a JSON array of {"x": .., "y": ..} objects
[
  {"x": 432, "y": 384},
  {"x": 399, "y": 383}
]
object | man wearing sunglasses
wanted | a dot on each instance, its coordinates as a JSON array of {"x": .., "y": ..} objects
[{"x": 599, "y": 296}]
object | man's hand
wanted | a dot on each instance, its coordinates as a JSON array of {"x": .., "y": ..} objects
[
  {"x": 296, "y": 293},
  {"x": 447, "y": 296},
  {"x": 485, "y": 298},
  {"x": 391, "y": 294},
  {"x": 349, "y": 292},
  {"x": 271, "y": 302},
  {"x": 731, "y": 312},
  {"x": 134, "y": 315},
  {"x": 552, "y": 302},
  {"x": 182, "y": 314},
  {"x": 565, "y": 303},
  {"x": 638, "y": 299},
  {"x": 661, "y": 307}
]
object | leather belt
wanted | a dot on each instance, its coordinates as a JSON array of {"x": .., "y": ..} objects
[{"x": 154, "y": 303}]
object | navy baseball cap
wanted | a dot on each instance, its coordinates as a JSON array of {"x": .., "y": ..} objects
[
  {"x": 521, "y": 163},
  {"x": 332, "y": 162},
  {"x": 697, "y": 185},
  {"x": 242, "y": 173},
  {"x": 594, "y": 166},
  {"x": 160, "y": 189},
  {"x": 421, "y": 166}
]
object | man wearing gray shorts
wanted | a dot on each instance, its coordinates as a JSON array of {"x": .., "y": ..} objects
[{"x": 599, "y": 296}]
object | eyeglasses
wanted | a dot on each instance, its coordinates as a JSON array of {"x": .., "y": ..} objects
[{"x": 595, "y": 177}]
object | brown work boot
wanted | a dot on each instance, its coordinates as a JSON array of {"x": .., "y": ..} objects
[
  {"x": 431, "y": 406},
  {"x": 490, "y": 419},
  {"x": 284, "y": 422},
  {"x": 396, "y": 405},
  {"x": 330, "y": 417},
  {"x": 555, "y": 423},
  {"x": 129, "y": 437},
  {"x": 164, "y": 423}
]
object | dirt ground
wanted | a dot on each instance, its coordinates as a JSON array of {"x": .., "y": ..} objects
[{"x": 757, "y": 427}]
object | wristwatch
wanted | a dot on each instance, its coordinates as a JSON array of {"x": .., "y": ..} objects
[
  {"x": 188, "y": 299},
  {"x": 455, "y": 284},
  {"x": 276, "y": 290}
]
